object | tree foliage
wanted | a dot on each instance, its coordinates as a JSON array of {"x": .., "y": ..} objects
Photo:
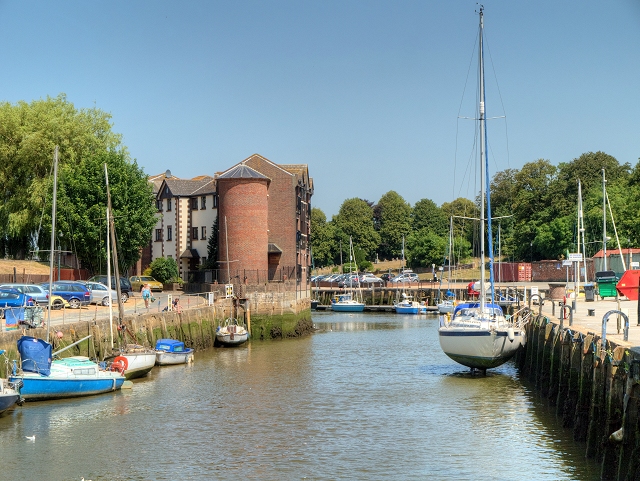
[
  {"x": 82, "y": 201},
  {"x": 322, "y": 239},
  {"x": 29, "y": 133},
  {"x": 395, "y": 224},
  {"x": 355, "y": 221},
  {"x": 534, "y": 211},
  {"x": 164, "y": 269}
]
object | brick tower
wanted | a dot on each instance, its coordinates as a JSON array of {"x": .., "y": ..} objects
[{"x": 243, "y": 202}]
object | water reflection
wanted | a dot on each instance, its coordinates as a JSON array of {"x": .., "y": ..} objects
[{"x": 370, "y": 397}]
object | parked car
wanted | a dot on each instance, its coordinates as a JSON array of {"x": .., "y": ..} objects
[
  {"x": 125, "y": 285},
  {"x": 350, "y": 280},
  {"x": 13, "y": 298},
  {"x": 387, "y": 276},
  {"x": 100, "y": 293},
  {"x": 406, "y": 277},
  {"x": 367, "y": 279},
  {"x": 138, "y": 282},
  {"x": 75, "y": 293},
  {"x": 39, "y": 294}
]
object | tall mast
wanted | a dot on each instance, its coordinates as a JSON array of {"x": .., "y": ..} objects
[
  {"x": 604, "y": 220},
  {"x": 484, "y": 178},
  {"x": 53, "y": 234},
  {"x": 114, "y": 250}
]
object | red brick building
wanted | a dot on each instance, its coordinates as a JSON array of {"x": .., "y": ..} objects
[{"x": 256, "y": 194}]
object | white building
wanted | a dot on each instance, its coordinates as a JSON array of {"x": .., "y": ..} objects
[{"x": 187, "y": 210}]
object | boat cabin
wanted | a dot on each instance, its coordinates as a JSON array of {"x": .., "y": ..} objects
[{"x": 170, "y": 345}]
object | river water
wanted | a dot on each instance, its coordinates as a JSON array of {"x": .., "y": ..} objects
[{"x": 368, "y": 396}]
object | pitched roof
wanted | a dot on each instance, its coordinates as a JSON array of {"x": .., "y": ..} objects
[
  {"x": 183, "y": 188},
  {"x": 241, "y": 171}
]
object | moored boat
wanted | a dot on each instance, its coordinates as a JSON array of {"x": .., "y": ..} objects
[
  {"x": 171, "y": 351},
  {"x": 346, "y": 303},
  {"x": 230, "y": 333},
  {"x": 9, "y": 395},
  {"x": 478, "y": 334},
  {"x": 43, "y": 378},
  {"x": 138, "y": 360}
]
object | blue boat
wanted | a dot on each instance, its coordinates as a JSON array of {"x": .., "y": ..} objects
[
  {"x": 43, "y": 378},
  {"x": 170, "y": 351},
  {"x": 408, "y": 306}
]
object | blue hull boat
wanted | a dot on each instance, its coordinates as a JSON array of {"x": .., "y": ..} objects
[{"x": 44, "y": 379}]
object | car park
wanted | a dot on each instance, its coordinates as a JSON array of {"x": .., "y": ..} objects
[
  {"x": 39, "y": 294},
  {"x": 349, "y": 280},
  {"x": 406, "y": 277},
  {"x": 125, "y": 285},
  {"x": 13, "y": 298},
  {"x": 138, "y": 282},
  {"x": 100, "y": 293},
  {"x": 387, "y": 276},
  {"x": 75, "y": 293}
]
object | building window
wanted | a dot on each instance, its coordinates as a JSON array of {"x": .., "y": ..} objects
[
  {"x": 203, "y": 202},
  {"x": 203, "y": 261},
  {"x": 159, "y": 205},
  {"x": 215, "y": 200},
  {"x": 158, "y": 235},
  {"x": 169, "y": 233},
  {"x": 194, "y": 203},
  {"x": 194, "y": 233},
  {"x": 203, "y": 231},
  {"x": 168, "y": 205}
]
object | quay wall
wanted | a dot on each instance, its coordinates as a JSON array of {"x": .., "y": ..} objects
[
  {"x": 594, "y": 387},
  {"x": 196, "y": 327}
]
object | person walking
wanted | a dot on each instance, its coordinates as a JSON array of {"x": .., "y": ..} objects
[{"x": 146, "y": 295}]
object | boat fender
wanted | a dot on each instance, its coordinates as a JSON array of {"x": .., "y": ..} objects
[
  {"x": 120, "y": 364},
  {"x": 510, "y": 334}
]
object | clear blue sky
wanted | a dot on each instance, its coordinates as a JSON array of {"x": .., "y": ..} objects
[{"x": 367, "y": 93}]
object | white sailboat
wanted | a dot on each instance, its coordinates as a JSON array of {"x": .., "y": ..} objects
[
  {"x": 135, "y": 360},
  {"x": 478, "y": 334},
  {"x": 406, "y": 304},
  {"x": 351, "y": 299},
  {"x": 448, "y": 303},
  {"x": 230, "y": 332}
]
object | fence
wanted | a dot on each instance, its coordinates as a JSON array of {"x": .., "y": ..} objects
[
  {"x": 27, "y": 318},
  {"x": 242, "y": 276}
]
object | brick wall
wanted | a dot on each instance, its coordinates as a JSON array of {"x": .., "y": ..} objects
[{"x": 244, "y": 204}]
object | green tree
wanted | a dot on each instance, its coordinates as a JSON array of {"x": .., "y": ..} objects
[
  {"x": 395, "y": 224},
  {"x": 82, "y": 202},
  {"x": 212, "y": 247},
  {"x": 425, "y": 248},
  {"x": 427, "y": 215},
  {"x": 322, "y": 239},
  {"x": 28, "y": 134},
  {"x": 355, "y": 221},
  {"x": 164, "y": 269}
]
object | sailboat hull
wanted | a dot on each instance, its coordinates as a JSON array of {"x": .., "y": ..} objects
[
  {"x": 345, "y": 306},
  {"x": 480, "y": 348}
]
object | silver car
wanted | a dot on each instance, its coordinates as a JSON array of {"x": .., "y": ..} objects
[{"x": 100, "y": 293}]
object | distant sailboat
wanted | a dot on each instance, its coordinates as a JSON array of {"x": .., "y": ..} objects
[
  {"x": 478, "y": 334},
  {"x": 351, "y": 299}
]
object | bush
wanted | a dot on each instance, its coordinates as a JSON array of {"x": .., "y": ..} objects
[{"x": 164, "y": 269}]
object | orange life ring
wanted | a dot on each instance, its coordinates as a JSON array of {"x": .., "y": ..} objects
[{"x": 120, "y": 364}]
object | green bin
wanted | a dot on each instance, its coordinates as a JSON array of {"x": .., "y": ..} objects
[{"x": 607, "y": 281}]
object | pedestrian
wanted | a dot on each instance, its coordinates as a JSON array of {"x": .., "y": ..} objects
[
  {"x": 176, "y": 305},
  {"x": 146, "y": 295}
]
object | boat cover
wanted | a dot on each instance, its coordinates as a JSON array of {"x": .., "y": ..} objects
[
  {"x": 169, "y": 345},
  {"x": 35, "y": 355}
]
